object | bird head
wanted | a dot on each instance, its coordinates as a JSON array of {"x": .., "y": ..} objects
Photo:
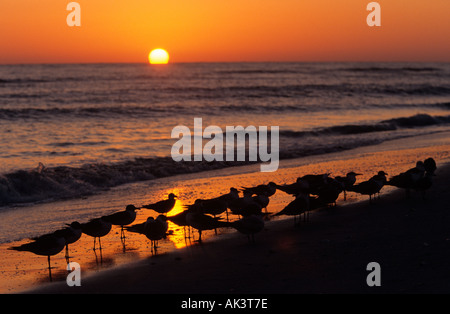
[
  {"x": 429, "y": 164},
  {"x": 75, "y": 225},
  {"x": 131, "y": 207}
]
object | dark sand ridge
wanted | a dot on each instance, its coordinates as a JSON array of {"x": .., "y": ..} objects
[{"x": 409, "y": 238}]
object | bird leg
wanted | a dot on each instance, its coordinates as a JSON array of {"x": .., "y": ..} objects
[
  {"x": 101, "y": 255},
  {"x": 49, "y": 268},
  {"x": 67, "y": 254},
  {"x": 122, "y": 234},
  {"x": 122, "y": 238}
]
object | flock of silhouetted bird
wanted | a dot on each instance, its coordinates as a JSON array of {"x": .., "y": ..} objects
[{"x": 310, "y": 192}]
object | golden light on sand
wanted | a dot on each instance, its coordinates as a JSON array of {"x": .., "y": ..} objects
[
  {"x": 158, "y": 56},
  {"x": 177, "y": 233}
]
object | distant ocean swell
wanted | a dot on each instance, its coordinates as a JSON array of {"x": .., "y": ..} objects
[
  {"x": 136, "y": 94},
  {"x": 155, "y": 110},
  {"x": 287, "y": 70},
  {"x": 419, "y": 120},
  {"x": 48, "y": 184}
]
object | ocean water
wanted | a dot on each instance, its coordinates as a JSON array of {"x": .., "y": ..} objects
[{"x": 73, "y": 130}]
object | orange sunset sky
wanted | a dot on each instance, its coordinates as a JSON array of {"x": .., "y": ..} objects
[{"x": 34, "y": 31}]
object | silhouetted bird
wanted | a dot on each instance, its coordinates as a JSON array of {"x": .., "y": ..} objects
[
  {"x": 232, "y": 195},
  {"x": 96, "y": 228},
  {"x": 263, "y": 200},
  {"x": 71, "y": 234},
  {"x": 245, "y": 205},
  {"x": 266, "y": 189},
  {"x": 347, "y": 182},
  {"x": 315, "y": 181},
  {"x": 417, "y": 172},
  {"x": 329, "y": 192},
  {"x": 381, "y": 179},
  {"x": 47, "y": 245},
  {"x": 371, "y": 186},
  {"x": 163, "y": 206},
  {"x": 201, "y": 222},
  {"x": 295, "y": 208},
  {"x": 249, "y": 225},
  {"x": 153, "y": 229},
  {"x": 299, "y": 187},
  {"x": 253, "y": 208},
  {"x": 122, "y": 218},
  {"x": 214, "y": 206},
  {"x": 425, "y": 183},
  {"x": 218, "y": 205},
  {"x": 180, "y": 220},
  {"x": 430, "y": 165},
  {"x": 403, "y": 180},
  {"x": 408, "y": 179}
]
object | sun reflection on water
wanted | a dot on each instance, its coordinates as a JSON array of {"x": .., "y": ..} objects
[{"x": 177, "y": 233}]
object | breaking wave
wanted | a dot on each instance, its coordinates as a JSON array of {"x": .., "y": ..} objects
[
  {"x": 56, "y": 183},
  {"x": 419, "y": 120},
  {"x": 48, "y": 184}
]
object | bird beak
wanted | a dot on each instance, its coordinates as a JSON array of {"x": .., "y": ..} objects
[{"x": 358, "y": 174}]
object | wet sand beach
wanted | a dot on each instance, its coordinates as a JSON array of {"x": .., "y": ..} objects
[{"x": 409, "y": 238}]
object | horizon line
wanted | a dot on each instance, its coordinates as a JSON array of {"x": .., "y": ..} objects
[{"x": 217, "y": 62}]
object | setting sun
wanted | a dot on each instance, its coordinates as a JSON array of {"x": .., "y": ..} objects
[{"x": 158, "y": 56}]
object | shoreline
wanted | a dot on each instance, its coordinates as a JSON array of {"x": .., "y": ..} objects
[
  {"x": 30, "y": 274},
  {"x": 92, "y": 180},
  {"x": 410, "y": 239}
]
